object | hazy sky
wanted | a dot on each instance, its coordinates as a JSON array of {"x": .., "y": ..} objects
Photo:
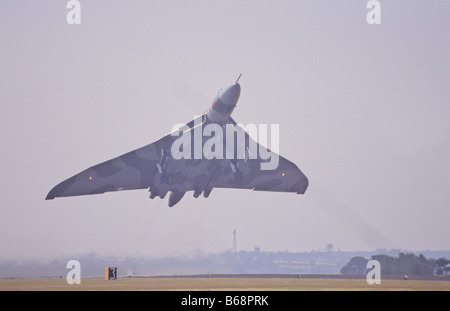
[{"x": 363, "y": 111}]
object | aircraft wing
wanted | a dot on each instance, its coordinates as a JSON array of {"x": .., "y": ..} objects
[
  {"x": 247, "y": 173},
  {"x": 152, "y": 167},
  {"x": 133, "y": 170},
  {"x": 137, "y": 169}
]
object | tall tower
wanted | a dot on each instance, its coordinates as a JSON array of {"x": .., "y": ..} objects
[{"x": 234, "y": 241}]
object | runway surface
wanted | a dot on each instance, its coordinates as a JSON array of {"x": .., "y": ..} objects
[{"x": 225, "y": 283}]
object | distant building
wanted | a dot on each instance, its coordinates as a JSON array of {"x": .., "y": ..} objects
[{"x": 234, "y": 249}]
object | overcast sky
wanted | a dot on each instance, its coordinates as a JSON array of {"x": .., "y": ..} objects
[{"x": 363, "y": 111}]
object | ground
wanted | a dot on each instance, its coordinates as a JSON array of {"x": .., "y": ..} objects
[{"x": 223, "y": 283}]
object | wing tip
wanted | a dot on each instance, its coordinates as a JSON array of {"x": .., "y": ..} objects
[
  {"x": 303, "y": 185},
  {"x": 50, "y": 196}
]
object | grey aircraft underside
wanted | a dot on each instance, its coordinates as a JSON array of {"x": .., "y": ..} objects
[{"x": 154, "y": 167}]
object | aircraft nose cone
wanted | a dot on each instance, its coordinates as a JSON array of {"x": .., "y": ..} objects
[{"x": 230, "y": 95}]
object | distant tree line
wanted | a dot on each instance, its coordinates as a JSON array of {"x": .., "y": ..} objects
[{"x": 404, "y": 264}]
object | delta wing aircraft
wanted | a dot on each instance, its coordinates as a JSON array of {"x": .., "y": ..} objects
[{"x": 192, "y": 159}]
